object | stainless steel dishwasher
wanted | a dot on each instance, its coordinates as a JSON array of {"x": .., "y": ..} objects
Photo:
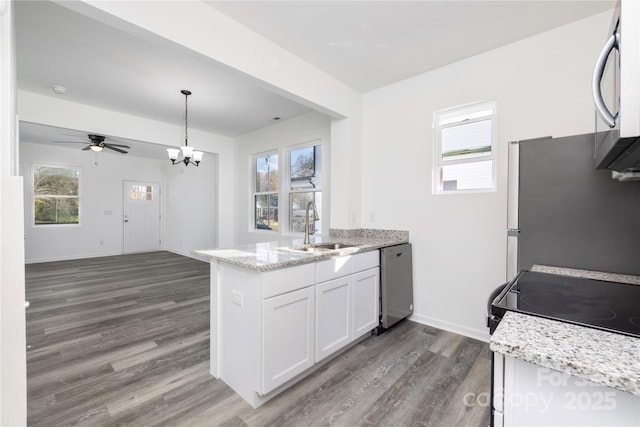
[{"x": 396, "y": 285}]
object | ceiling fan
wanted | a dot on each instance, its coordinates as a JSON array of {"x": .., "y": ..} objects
[{"x": 96, "y": 143}]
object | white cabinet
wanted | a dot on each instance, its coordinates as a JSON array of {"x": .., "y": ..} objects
[
  {"x": 287, "y": 336},
  {"x": 271, "y": 328},
  {"x": 333, "y": 316},
  {"x": 365, "y": 301},
  {"x": 347, "y": 307},
  {"x": 532, "y": 395}
]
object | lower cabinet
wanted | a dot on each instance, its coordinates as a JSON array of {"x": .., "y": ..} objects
[
  {"x": 365, "y": 302},
  {"x": 287, "y": 338},
  {"x": 346, "y": 309},
  {"x": 274, "y": 326},
  {"x": 532, "y": 395},
  {"x": 333, "y": 316}
]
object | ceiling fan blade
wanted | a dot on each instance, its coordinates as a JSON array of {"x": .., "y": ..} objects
[
  {"x": 116, "y": 145},
  {"x": 88, "y": 147},
  {"x": 70, "y": 142},
  {"x": 114, "y": 149}
]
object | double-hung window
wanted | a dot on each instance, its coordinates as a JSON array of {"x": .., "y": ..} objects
[
  {"x": 265, "y": 195},
  {"x": 305, "y": 185},
  {"x": 465, "y": 149},
  {"x": 55, "y": 195},
  {"x": 299, "y": 184}
]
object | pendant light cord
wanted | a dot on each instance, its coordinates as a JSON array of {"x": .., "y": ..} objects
[{"x": 186, "y": 123}]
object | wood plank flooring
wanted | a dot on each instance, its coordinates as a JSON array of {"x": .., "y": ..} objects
[{"x": 124, "y": 340}]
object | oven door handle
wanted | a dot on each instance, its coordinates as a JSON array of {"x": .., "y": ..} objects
[{"x": 601, "y": 108}]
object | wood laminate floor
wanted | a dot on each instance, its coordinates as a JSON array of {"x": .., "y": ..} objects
[{"x": 124, "y": 340}]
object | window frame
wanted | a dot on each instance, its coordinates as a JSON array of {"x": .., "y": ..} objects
[
  {"x": 34, "y": 166},
  {"x": 317, "y": 187},
  {"x": 459, "y": 116},
  {"x": 254, "y": 193},
  {"x": 285, "y": 190}
]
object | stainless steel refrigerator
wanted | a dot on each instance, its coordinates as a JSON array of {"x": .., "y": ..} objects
[{"x": 563, "y": 212}]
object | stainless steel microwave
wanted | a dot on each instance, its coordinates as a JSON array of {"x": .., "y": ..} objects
[{"x": 616, "y": 92}]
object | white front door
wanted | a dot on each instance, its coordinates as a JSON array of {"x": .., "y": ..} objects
[{"x": 141, "y": 226}]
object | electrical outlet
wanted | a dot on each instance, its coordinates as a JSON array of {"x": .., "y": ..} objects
[
  {"x": 236, "y": 298},
  {"x": 101, "y": 242}
]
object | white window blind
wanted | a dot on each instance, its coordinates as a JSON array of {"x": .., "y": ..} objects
[{"x": 465, "y": 149}]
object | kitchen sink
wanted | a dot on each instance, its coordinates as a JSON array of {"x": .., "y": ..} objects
[
  {"x": 332, "y": 246},
  {"x": 323, "y": 247},
  {"x": 311, "y": 249}
]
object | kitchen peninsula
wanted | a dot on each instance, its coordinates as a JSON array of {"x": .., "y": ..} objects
[{"x": 279, "y": 310}]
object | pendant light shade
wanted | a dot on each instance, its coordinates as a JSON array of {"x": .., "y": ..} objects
[{"x": 189, "y": 156}]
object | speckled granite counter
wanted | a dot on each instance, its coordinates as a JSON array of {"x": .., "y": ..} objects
[
  {"x": 275, "y": 255},
  {"x": 599, "y": 356}
]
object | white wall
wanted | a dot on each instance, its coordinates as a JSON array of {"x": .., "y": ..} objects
[
  {"x": 303, "y": 128},
  {"x": 101, "y": 201},
  {"x": 542, "y": 87},
  {"x": 190, "y": 196},
  {"x": 52, "y": 111},
  {"x": 13, "y": 364},
  {"x": 188, "y": 203}
]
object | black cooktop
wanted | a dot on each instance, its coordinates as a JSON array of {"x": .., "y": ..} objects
[{"x": 610, "y": 306}]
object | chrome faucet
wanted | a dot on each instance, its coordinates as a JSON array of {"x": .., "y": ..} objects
[{"x": 307, "y": 224}]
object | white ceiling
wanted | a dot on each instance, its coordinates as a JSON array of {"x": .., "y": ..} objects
[
  {"x": 366, "y": 44},
  {"x": 370, "y": 44}
]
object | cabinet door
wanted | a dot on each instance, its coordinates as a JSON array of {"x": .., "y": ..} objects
[
  {"x": 287, "y": 337},
  {"x": 365, "y": 297},
  {"x": 333, "y": 316},
  {"x": 538, "y": 396}
]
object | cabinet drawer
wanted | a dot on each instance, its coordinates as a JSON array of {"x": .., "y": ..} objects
[
  {"x": 366, "y": 260},
  {"x": 333, "y": 268},
  {"x": 288, "y": 279}
]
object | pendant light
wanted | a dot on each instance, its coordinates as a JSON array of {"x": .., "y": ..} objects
[{"x": 188, "y": 155}]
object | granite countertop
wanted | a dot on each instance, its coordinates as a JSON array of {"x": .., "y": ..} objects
[
  {"x": 269, "y": 256},
  {"x": 602, "y": 357}
]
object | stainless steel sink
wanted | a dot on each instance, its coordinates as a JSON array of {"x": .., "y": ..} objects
[
  {"x": 323, "y": 247},
  {"x": 332, "y": 246},
  {"x": 311, "y": 249}
]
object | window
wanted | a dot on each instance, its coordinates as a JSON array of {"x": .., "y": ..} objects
[
  {"x": 465, "y": 149},
  {"x": 56, "y": 195},
  {"x": 299, "y": 183},
  {"x": 305, "y": 165},
  {"x": 265, "y": 197},
  {"x": 141, "y": 192}
]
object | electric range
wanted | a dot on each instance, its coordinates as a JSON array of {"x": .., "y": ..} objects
[{"x": 610, "y": 306}]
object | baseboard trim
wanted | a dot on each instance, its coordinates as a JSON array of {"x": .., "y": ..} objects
[
  {"x": 70, "y": 257},
  {"x": 451, "y": 327}
]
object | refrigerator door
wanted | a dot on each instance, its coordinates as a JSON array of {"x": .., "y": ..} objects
[
  {"x": 396, "y": 284},
  {"x": 570, "y": 214}
]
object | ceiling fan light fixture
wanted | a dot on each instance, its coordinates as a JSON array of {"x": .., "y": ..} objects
[
  {"x": 188, "y": 153},
  {"x": 96, "y": 148}
]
